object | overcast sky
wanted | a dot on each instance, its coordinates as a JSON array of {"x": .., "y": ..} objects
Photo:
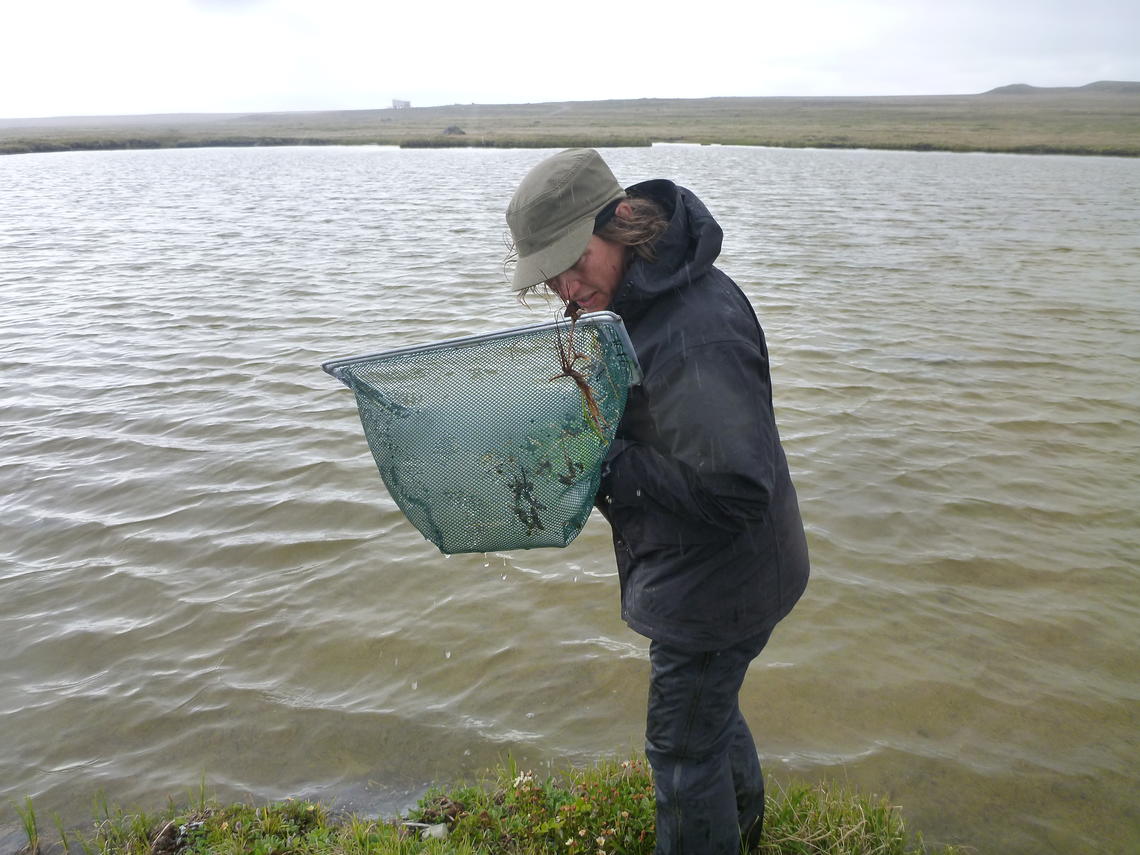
[{"x": 98, "y": 57}]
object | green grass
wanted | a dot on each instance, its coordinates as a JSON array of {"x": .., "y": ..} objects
[
  {"x": 604, "y": 810},
  {"x": 1082, "y": 121},
  {"x": 28, "y": 820}
]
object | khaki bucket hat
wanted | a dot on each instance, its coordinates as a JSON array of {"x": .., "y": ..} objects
[{"x": 551, "y": 215}]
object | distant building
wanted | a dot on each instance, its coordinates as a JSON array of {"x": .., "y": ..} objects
[{"x": 400, "y": 105}]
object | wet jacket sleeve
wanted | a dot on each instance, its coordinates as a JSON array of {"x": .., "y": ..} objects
[{"x": 709, "y": 454}]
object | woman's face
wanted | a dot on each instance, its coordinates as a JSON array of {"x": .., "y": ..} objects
[{"x": 593, "y": 278}]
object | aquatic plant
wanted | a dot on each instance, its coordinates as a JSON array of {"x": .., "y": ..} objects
[{"x": 27, "y": 815}]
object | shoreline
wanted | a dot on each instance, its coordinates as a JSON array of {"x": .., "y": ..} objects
[
  {"x": 606, "y": 809},
  {"x": 1086, "y": 121},
  {"x": 156, "y": 145}
]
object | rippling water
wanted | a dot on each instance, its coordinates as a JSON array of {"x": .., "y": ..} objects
[{"x": 202, "y": 577}]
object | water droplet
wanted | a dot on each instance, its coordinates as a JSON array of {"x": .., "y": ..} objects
[
  {"x": 415, "y": 684},
  {"x": 447, "y": 654},
  {"x": 530, "y": 715},
  {"x": 639, "y": 491}
]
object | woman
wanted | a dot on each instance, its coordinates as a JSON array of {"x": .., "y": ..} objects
[{"x": 707, "y": 533}]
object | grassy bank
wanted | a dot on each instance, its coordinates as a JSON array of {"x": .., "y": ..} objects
[
  {"x": 1100, "y": 119},
  {"x": 605, "y": 810}
]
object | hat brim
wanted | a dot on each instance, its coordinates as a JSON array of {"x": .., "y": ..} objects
[{"x": 560, "y": 256}]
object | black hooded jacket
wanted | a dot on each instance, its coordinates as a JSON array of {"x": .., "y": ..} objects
[{"x": 707, "y": 531}]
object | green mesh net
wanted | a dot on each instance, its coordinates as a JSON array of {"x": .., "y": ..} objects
[{"x": 486, "y": 443}]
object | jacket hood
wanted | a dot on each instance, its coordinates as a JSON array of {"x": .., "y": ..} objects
[{"x": 684, "y": 253}]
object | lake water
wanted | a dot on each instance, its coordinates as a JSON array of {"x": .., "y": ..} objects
[{"x": 202, "y": 577}]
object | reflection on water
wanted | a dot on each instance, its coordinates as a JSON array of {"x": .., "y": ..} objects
[{"x": 201, "y": 574}]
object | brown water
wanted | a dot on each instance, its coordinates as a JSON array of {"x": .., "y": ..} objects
[{"x": 202, "y": 577}]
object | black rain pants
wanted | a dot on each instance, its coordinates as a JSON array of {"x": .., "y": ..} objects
[{"x": 710, "y": 790}]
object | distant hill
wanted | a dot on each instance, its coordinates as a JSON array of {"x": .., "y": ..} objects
[{"x": 1113, "y": 87}]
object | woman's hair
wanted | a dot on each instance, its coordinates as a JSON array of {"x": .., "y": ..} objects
[{"x": 638, "y": 230}]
